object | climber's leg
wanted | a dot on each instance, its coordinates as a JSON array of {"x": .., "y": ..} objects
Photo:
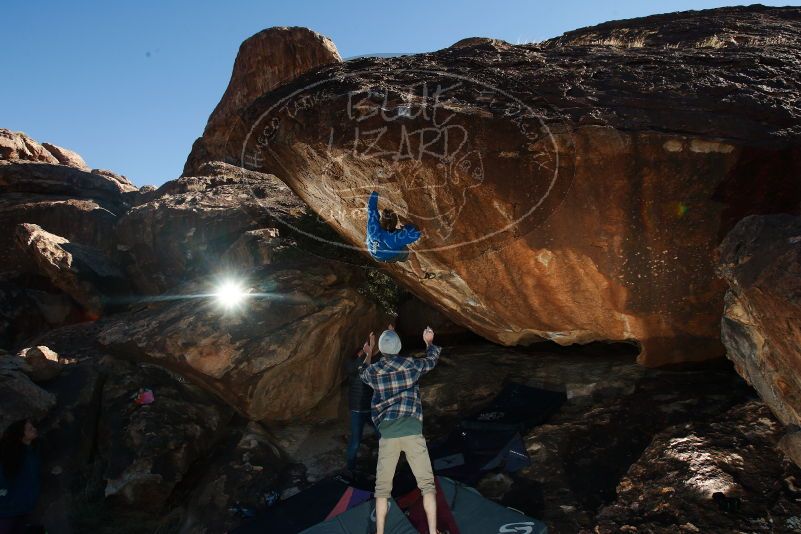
[{"x": 417, "y": 269}]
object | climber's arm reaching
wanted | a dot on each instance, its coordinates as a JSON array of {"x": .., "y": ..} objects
[
  {"x": 409, "y": 234},
  {"x": 432, "y": 352},
  {"x": 373, "y": 217},
  {"x": 366, "y": 373},
  {"x": 399, "y": 239}
]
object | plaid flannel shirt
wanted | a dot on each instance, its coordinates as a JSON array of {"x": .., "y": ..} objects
[{"x": 394, "y": 382}]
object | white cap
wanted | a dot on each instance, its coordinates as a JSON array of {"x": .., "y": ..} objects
[{"x": 389, "y": 343}]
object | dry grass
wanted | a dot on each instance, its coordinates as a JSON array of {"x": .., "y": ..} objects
[
  {"x": 637, "y": 42},
  {"x": 713, "y": 42},
  {"x": 769, "y": 41},
  {"x": 717, "y": 41},
  {"x": 621, "y": 39}
]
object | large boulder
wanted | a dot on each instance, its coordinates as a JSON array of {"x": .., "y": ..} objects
[
  {"x": 18, "y": 146},
  {"x": 225, "y": 218},
  {"x": 67, "y": 157},
  {"x": 761, "y": 328},
  {"x": 81, "y": 272},
  {"x": 78, "y": 205},
  {"x": 191, "y": 222},
  {"x": 43, "y": 362},
  {"x": 276, "y": 357},
  {"x": 53, "y": 179},
  {"x": 722, "y": 475},
  {"x": 566, "y": 192},
  {"x": 265, "y": 61}
]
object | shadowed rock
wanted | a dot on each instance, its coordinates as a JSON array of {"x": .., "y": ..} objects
[
  {"x": 19, "y": 396},
  {"x": 81, "y": 272},
  {"x": 80, "y": 206},
  {"x": 276, "y": 357},
  {"x": 247, "y": 469},
  {"x": 761, "y": 328},
  {"x": 189, "y": 223},
  {"x": 28, "y": 311},
  {"x": 43, "y": 362},
  {"x": 718, "y": 476},
  {"x": 147, "y": 450}
]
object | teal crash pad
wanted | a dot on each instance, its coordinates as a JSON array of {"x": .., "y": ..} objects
[{"x": 361, "y": 520}]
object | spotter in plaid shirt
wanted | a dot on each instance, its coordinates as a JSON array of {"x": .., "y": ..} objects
[{"x": 394, "y": 382}]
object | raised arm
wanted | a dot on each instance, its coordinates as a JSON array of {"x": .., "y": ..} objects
[
  {"x": 408, "y": 234},
  {"x": 365, "y": 369},
  {"x": 373, "y": 217},
  {"x": 431, "y": 358},
  {"x": 432, "y": 352}
]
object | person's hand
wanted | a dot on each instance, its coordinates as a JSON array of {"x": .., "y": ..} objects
[
  {"x": 428, "y": 336},
  {"x": 369, "y": 345}
]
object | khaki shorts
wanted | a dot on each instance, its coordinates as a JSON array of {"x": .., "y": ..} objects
[{"x": 416, "y": 454}]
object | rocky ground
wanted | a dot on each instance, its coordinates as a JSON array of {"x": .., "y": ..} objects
[{"x": 632, "y": 450}]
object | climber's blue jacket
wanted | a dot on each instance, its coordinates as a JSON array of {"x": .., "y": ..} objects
[{"x": 384, "y": 245}]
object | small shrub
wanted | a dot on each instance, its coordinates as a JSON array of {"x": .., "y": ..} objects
[{"x": 382, "y": 289}]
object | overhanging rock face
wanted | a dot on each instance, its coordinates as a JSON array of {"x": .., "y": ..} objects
[{"x": 572, "y": 190}]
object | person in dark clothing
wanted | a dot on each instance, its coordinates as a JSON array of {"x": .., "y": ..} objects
[
  {"x": 360, "y": 397},
  {"x": 19, "y": 476}
]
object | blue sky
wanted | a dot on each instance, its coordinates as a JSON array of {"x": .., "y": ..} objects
[{"x": 130, "y": 85}]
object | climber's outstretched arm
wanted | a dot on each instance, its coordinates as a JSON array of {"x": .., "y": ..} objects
[
  {"x": 407, "y": 235},
  {"x": 373, "y": 217}
]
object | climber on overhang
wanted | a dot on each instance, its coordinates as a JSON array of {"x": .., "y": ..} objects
[
  {"x": 385, "y": 241},
  {"x": 388, "y": 243}
]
